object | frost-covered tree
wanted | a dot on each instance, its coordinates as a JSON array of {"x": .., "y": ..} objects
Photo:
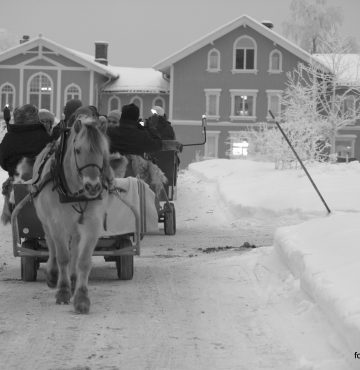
[{"x": 310, "y": 21}]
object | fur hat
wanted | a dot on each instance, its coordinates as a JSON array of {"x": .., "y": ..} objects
[
  {"x": 159, "y": 110},
  {"x": 27, "y": 114},
  {"x": 45, "y": 115},
  {"x": 130, "y": 112},
  {"x": 114, "y": 114},
  {"x": 71, "y": 107}
]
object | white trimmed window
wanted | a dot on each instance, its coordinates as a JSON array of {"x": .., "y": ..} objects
[
  {"x": 238, "y": 145},
  {"x": 275, "y": 62},
  {"x": 159, "y": 101},
  {"x": 213, "y": 61},
  {"x": 274, "y": 104},
  {"x": 211, "y": 148},
  {"x": 139, "y": 102},
  {"x": 72, "y": 91},
  {"x": 40, "y": 91},
  {"x": 345, "y": 145},
  {"x": 7, "y": 91},
  {"x": 114, "y": 103},
  {"x": 212, "y": 103},
  {"x": 245, "y": 55},
  {"x": 348, "y": 107},
  {"x": 243, "y": 104}
]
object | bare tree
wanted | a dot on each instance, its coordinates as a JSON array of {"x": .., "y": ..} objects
[{"x": 310, "y": 21}]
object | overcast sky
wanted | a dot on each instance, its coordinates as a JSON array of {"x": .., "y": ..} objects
[{"x": 143, "y": 32}]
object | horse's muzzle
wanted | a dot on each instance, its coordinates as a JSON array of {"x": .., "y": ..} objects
[{"x": 92, "y": 189}]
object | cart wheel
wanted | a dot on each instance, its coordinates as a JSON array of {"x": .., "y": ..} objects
[
  {"x": 169, "y": 219},
  {"x": 28, "y": 268},
  {"x": 125, "y": 263},
  {"x": 125, "y": 267}
]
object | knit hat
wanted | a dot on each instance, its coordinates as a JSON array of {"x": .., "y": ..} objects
[
  {"x": 71, "y": 107},
  {"x": 159, "y": 110},
  {"x": 114, "y": 114},
  {"x": 27, "y": 114},
  {"x": 130, "y": 112},
  {"x": 45, "y": 115}
]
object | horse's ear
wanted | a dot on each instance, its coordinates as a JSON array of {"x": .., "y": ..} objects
[{"x": 77, "y": 125}]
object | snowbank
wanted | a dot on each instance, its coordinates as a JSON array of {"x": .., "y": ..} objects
[{"x": 324, "y": 255}]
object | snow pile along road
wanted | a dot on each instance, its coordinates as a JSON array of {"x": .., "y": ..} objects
[{"x": 324, "y": 255}]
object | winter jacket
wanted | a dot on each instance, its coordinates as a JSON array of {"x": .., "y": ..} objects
[
  {"x": 132, "y": 138},
  {"x": 163, "y": 127},
  {"x": 22, "y": 140}
]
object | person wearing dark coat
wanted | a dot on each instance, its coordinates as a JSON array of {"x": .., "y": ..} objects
[
  {"x": 70, "y": 107},
  {"x": 159, "y": 122},
  {"x": 27, "y": 137},
  {"x": 130, "y": 137}
]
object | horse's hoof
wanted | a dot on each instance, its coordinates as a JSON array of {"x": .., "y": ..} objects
[
  {"x": 82, "y": 301},
  {"x": 63, "y": 295},
  {"x": 52, "y": 278}
]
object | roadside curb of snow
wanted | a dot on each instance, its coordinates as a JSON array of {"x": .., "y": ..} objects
[{"x": 328, "y": 272}]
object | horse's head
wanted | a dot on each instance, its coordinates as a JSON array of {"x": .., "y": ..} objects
[{"x": 88, "y": 151}]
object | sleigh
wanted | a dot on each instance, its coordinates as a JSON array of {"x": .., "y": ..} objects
[{"x": 120, "y": 241}]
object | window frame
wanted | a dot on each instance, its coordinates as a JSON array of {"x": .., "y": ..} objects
[
  {"x": 235, "y": 48},
  {"x": 215, "y": 134},
  {"x": 209, "y": 68},
  {"x": 269, "y": 94},
  {"x": 271, "y": 67},
  {"x": 241, "y": 92},
  {"x": 216, "y": 93},
  {"x": 51, "y": 85},
  {"x": 7, "y": 93},
  {"x": 235, "y": 136},
  {"x": 114, "y": 97},
  {"x": 69, "y": 87},
  {"x": 159, "y": 98}
]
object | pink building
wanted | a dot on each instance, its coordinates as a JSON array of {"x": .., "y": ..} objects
[{"x": 234, "y": 75}]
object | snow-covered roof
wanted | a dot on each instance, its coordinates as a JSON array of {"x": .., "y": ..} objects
[
  {"x": 165, "y": 64},
  {"x": 79, "y": 57},
  {"x": 346, "y": 67},
  {"x": 137, "y": 80}
]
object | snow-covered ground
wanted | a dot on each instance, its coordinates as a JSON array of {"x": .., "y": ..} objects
[
  {"x": 188, "y": 308},
  {"x": 323, "y": 252}
]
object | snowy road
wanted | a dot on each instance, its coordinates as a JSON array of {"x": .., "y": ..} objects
[{"x": 184, "y": 309}]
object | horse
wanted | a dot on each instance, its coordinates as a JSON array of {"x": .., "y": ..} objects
[{"x": 73, "y": 227}]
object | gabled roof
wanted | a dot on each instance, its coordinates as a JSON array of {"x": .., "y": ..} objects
[
  {"x": 244, "y": 20},
  {"x": 81, "y": 58},
  {"x": 137, "y": 80},
  {"x": 346, "y": 67}
]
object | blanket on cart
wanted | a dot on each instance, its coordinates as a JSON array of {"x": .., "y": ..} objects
[{"x": 131, "y": 195}]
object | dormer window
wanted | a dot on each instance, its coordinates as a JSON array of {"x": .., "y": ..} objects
[
  {"x": 213, "y": 64},
  {"x": 275, "y": 62},
  {"x": 244, "y": 55}
]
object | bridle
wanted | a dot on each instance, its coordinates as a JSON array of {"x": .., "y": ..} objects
[{"x": 80, "y": 169}]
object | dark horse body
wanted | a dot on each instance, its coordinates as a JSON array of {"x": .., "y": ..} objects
[{"x": 72, "y": 229}]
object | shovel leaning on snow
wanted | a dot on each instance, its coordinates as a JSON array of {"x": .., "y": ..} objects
[{"x": 300, "y": 161}]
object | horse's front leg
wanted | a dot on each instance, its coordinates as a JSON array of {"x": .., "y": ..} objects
[
  {"x": 74, "y": 256},
  {"x": 63, "y": 293},
  {"x": 52, "y": 271},
  {"x": 87, "y": 244}
]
